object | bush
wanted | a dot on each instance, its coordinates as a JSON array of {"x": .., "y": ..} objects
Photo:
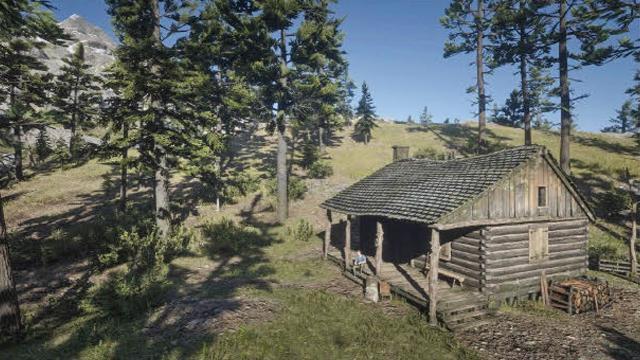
[
  {"x": 320, "y": 170},
  {"x": 429, "y": 153},
  {"x": 59, "y": 245},
  {"x": 128, "y": 294},
  {"x": 146, "y": 250},
  {"x": 296, "y": 188},
  {"x": 225, "y": 237},
  {"x": 613, "y": 202},
  {"x": 302, "y": 230},
  {"x": 310, "y": 155},
  {"x": 239, "y": 185}
]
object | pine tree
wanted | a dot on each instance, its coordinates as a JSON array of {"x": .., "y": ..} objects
[
  {"x": 468, "y": 29},
  {"x": 320, "y": 69},
  {"x": 163, "y": 86},
  {"x": 366, "y": 113},
  {"x": 623, "y": 122},
  {"x": 121, "y": 117},
  {"x": 569, "y": 25},
  {"x": 305, "y": 60},
  {"x": 222, "y": 45},
  {"x": 519, "y": 38},
  {"x": 76, "y": 95},
  {"x": 21, "y": 88},
  {"x": 425, "y": 117},
  {"x": 23, "y": 77},
  {"x": 512, "y": 112}
]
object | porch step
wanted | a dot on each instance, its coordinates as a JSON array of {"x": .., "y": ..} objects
[{"x": 469, "y": 325}]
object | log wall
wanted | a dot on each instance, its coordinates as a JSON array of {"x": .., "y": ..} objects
[
  {"x": 466, "y": 256},
  {"x": 507, "y": 267}
]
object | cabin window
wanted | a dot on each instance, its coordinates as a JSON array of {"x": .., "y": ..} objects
[
  {"x": 445, "y": 252},
  {"x": 538, "y": 244},
  {"x": 542, "y": 196}
]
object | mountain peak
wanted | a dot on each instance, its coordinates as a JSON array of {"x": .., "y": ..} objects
[{"x": 97, "y": 43}]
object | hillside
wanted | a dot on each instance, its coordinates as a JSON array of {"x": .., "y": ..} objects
[{"x": 278, "y": 293}]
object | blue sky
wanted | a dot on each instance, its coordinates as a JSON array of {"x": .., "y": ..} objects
[{"x": 396, "y": 47}]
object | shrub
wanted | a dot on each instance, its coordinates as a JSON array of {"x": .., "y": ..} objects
[
  {"x": 225, "y": 237},
  {"x": 302, "y": 230},
  {"x": 429, "y": 153},
  {"x": 128, "y": 294},
  {"x": 296, "y": 188},
  {"x": 146, "y": 250},
  {"x": 612, "y": 202},
  {"x": 320, "y": 170},
  {"x": 310, "y": 155},
  {"x": 239, "y": 185}
]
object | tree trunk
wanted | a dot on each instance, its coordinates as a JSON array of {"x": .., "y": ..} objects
[
  {"x": 10, "y": 324},
  {"x": 123, "y": 170},
  {"x": 72, "y": 139},
  {"x": 281, "y": 168},
  {"x": 482, "y": 121},
  {"x": 17, "y": 149},
  {"x": 161, "y": 173},
  {"x": 281, "y": 161},
  {"x": 565, "y": 100},
  {"x": 632, "y": 241},
  {"x": 526, "y": 118},
  {"x": 321, "y": 145}
]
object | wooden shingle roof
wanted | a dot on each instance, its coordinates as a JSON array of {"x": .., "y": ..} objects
[{"x": 425, "y": 190}]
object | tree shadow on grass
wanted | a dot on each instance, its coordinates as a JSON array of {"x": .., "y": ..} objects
[
  {"x": 608, "y": 146},
  {"x": 463, "y": 139}
]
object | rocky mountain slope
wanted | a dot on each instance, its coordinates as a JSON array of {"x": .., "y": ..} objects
[{"x": 98, "y": 45}]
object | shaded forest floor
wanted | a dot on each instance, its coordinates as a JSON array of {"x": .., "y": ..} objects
[{"x": 278, "y": 298}]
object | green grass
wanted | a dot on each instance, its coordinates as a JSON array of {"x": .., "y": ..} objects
[
  {"x": 318, "y": 325},
  {"x": 600, "y": 155}
]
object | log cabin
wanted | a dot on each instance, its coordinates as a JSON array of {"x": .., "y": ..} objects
[{"x": 496, "y": 223}]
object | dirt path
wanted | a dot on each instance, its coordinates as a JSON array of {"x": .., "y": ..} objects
[{"x": 518, "y": 334}]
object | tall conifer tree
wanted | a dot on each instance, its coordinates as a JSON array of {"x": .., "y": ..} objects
[
  {"x": 366, "y": 113},
  {"x": 76, "y": 95},
  {"x": 21, "y": 88},
  {"x": 468, "y": 23},
  {"x": 518, "y": 32},
  {"x": 23, "y": 77},
  {"x": 163, "y": 87}
]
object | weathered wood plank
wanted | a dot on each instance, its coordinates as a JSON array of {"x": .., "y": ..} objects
[
  {"x": 433, "y": 277},
  {"x": 523, "y": 271}
]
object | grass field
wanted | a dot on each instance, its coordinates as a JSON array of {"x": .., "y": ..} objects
[{"x": 301, "y": 319}]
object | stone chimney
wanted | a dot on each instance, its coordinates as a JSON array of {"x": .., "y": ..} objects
[{"x": 400, "y": 152}]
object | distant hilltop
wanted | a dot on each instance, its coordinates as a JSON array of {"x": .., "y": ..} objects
[{"x": 98, "y": 45}]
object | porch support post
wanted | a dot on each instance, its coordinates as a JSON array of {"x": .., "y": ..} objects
[
  {"x": 433, "y": 276},
  {"x": 347, "y": 243},
  {"x": 327, "y": 236},
  {"x": 379, "y": 240}
]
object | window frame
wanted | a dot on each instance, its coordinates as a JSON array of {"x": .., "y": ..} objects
[
  {"x": 445, "y": 252},
  {"x": 546, "y": 197}
]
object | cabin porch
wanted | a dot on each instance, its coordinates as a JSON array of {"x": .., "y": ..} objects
[
  {"x": 457, "y": 308},
  {"x": 402, "y": 262}
]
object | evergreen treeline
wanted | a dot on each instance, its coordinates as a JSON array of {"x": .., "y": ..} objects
[{"x": 538, "y": 38}]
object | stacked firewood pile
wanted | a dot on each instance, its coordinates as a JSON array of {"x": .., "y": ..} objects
[{"x": 579, "y": 295}]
